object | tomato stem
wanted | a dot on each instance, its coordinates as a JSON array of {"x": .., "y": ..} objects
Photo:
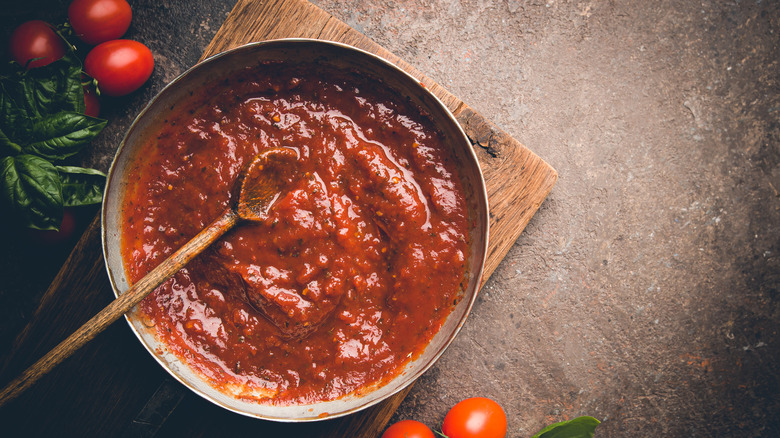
[{"x": 62, "y": 30}]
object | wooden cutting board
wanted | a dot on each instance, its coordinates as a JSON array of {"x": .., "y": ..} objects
[{"x": 517, "y": 182}]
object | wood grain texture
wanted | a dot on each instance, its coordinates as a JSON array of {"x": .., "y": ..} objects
[
  {"x": 517, "y": 182},
  {"x": 83, "y": 268},
  {"x": 113, "y": 364}
]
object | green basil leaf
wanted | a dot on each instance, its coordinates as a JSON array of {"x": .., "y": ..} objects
[
  {"x": 27, "y": 96},
  {"x": 580, "y": 427},
  {"x": 61, "y": 135},
  {"x": 73, "y": 88},
  {"x": 16, "y": 92},
  {"x": 55, "y": 87},
  {"x": 46, "y": 90},
  {"x": 7, "y": 105},
  {"x": 8, "y": 147},
  {"x": 14, "y": 121},
  {"x": 30, "y": 187},
  {"x": 81, "y": 186}
]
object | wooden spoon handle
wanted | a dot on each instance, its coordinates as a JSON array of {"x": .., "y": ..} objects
[{"x": 121, "y": 305}]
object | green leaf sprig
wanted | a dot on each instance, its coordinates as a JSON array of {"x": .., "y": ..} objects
[
  {"x": 580, "y": 427},
  {"x": 42, "y": 122}
]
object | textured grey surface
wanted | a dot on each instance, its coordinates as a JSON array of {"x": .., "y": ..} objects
[{"x": 645, "y": 290}]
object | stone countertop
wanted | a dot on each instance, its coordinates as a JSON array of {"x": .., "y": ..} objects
[{"x": 645, "y": 290}]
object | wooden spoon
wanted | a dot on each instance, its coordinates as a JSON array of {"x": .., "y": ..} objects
[{"x": 258, "y": 189}]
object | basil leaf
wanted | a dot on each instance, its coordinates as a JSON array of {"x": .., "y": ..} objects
[
  {"x": 580, "y": 427},
  {"x": 61, "y": 135},
  {"x": 17, "y": 95},
  {"x": 8, "y": 147},
  {"x": 27, "y": 96},
  {"x": 30, "y": 187},
  {"x": 46, "y": 90},
  {"x": 14, "y": 122},
  {"x": 81, "y": 186},
  {"x": 55, "y": 87}
]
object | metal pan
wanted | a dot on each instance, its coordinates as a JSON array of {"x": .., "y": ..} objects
[{"x": 340, "y": 56}]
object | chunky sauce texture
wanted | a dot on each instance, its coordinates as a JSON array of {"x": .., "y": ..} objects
[{"x": 358, "y": 264}]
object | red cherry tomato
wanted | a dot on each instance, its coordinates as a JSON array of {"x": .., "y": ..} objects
[
  {"x": 91, "y": 102},
  {"x": 36, "y": 39},
  {"x": 408, "y": 429},
  {"x": 98, "y": 21},
  {"x": 120, "y": 66},
  {"x": 476, "y": 417},
  {"x": 52, "y": 237}
]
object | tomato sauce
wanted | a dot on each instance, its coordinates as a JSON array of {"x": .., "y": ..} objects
[{"x": 356, "y": 267}]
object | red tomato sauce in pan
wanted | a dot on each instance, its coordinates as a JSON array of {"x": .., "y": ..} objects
[{"x": 358, "y": 264}]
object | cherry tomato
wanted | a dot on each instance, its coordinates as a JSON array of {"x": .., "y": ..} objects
[
  {"x": 98, "y": 21},
  {"x": 91, "y": 102},
  {"x": 120, "y": 66},
  {"x": 476, "y": 417},
  {"x": 408, "y": 429},
  {"x": 52, "y": 237},
  {"x": 36, "y": 39}
]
